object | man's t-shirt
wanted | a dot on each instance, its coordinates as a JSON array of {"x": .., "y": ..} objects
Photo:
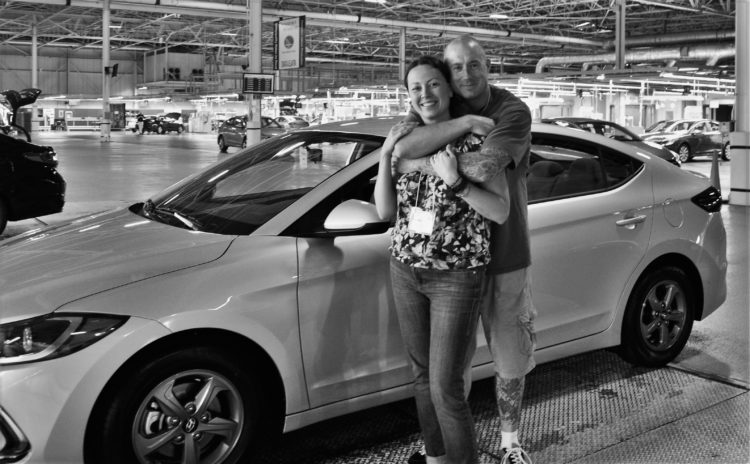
[{"x": 511, "y": 137}]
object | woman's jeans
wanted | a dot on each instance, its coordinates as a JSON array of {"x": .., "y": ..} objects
[{"x": 438, "y": 312}]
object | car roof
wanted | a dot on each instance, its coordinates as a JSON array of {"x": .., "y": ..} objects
[
  {"x": 373, "y": 126},
  {"x": 380, "y": 126}
]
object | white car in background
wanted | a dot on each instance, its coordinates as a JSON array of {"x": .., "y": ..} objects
[{"x": 253, "y": 297}]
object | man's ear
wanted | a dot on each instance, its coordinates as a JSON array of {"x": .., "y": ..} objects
[{"x": 488, "y": 63}]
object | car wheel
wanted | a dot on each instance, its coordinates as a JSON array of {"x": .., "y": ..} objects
[
  {"x": 726, "y": 154},
  {"x": 159, "y": 130},
  {"x": 3, "y": 216},
  {"x": 222, "y": 145},
  {"x": 244, "y": 142},
  {"x": 193, "y": 405},
  {"x": 684, "y": 153},
  {"x": 658, "y": 318},
  {"x": 180, "y": 129}
]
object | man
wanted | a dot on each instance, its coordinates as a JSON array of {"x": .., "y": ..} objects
[{"x": 507, "y": 310}]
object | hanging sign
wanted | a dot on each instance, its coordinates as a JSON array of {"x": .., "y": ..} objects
[
  {"x": 257, "y": 83},
  {"x": 289, "y": 43}
]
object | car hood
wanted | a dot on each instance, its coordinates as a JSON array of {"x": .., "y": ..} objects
[
  {"x": 651, "y": 135},
  {"x": 41, "y": 271}
]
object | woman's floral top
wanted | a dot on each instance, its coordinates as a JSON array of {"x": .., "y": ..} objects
[{"x": 459, "y": 237}]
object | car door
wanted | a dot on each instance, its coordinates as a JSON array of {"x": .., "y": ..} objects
[
  {"x": 349, "y": 332},
  {"x": 588, "y": 234},
  {"x": 700, "y": 137},
  {"x": 235, "y": 131}
]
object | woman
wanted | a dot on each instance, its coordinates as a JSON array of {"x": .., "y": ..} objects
[{"x": 439, "y": 248}]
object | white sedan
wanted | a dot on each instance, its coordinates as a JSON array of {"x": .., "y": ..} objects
[{"x": 253, "y": 297}]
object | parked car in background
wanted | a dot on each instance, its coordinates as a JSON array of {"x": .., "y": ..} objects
[
  {"x": 30, "y": 185},
  {"x": 292, "y": 122},
  {"x": 162, "y": 124},
  {"x": 254, "y": 296},
  {"x": 690, "y": 138},
  {"x": 615, "y": 131},
  {"x": 233, "y": 131}
]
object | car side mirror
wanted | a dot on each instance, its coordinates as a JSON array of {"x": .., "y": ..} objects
[{"x": 355, "y": 217}]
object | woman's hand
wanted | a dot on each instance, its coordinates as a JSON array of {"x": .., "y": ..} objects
[
  {"x": 397, "y": 131},
  {"x": 445, "y": 165}
]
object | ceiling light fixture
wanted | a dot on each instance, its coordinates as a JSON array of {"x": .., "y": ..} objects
[
  {"x": 115, "y": 26},
  {"x": 499, "y": 16},
  {"x": 382, "y": 2},
  {"x": 230, "y": 34}
]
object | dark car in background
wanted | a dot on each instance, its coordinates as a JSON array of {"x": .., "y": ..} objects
[
  {"x": 617, "y": 132},
  {"x": 163, "y": 123},
  {"x": 690, "y": 138},
  {"x": 30, "y": 185},
  {"x": 233, "y": 131}
]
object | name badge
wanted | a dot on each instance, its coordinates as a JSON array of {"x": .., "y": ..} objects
[{"x": 421, "y": 221}]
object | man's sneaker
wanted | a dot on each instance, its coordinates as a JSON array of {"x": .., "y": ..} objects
[
  {"x": 420, "y": 457},
  {"x": 515, "y": 455}
]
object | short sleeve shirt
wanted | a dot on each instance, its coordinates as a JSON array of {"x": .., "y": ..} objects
[
  {"x": 511, "y": 140},
  {"x": 459, "y": 238}
]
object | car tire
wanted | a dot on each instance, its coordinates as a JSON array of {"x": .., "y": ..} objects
[
  {"x": 180, "y": 129},
  {"x": 156, "y": 412},
  {"x": 160, "y": 130},
  {"x": 3, "y": 216},
  {"x": 222, "y": 145},
  {"x": 683, "y": 152},
  {"x": 726, "y": 154},
  {"x": 658, "y": 318}
]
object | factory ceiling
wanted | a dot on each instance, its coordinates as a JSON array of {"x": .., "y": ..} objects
[{"x": 573, "y": 40}]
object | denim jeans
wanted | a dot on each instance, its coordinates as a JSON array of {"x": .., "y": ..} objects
[{"x": 438, "y": 312}]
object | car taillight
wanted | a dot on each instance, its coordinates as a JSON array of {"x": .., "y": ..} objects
[
  {"x": 46, "y": 157},
  {"x": 708, "y": 200}
]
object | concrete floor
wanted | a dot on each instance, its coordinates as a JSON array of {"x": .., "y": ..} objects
[{"x": 591, "y": 408}]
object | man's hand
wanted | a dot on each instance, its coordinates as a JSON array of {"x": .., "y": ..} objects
[
  {"x": 479, "y": 125},
  {"x": 399, "y": 130}
]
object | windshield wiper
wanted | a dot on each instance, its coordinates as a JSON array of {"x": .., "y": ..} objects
[{"x": 151, "y": 209}]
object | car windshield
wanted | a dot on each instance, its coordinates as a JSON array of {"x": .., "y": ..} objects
[
  {"x": 243, "y": 192},
  {"x": 658, "y": 127}
]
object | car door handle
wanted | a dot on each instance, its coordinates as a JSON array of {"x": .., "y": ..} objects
[{"x": 631, "y": 222}]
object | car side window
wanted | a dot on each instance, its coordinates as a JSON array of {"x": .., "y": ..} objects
[{"x": 562, "y": 168}]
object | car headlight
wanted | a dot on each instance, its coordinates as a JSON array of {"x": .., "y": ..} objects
[{"x": 53, "y": 336}]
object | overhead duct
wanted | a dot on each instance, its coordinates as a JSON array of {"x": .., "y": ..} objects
[
  {"x": 203, "y": 8},
  {"x": 710, "y": 53}
]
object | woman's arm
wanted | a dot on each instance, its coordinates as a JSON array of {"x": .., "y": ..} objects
[
  {"x": 491, "y": 199},
  {"x": 385, "y": 192}
]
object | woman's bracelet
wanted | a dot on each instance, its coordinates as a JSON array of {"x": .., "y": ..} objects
[
  {"x": 459, "y": 184},
  {"x": 464, "y": 192}
]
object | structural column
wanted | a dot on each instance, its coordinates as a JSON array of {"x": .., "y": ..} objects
[
  {"x": 35, "y": 120},
  {"x": 105, "y": 127},
  {"x": 254, "y": 24},
  {"x": 740, "y": 138}
]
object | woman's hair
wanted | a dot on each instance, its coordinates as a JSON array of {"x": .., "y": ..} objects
[{"x": 428, "y": 60}]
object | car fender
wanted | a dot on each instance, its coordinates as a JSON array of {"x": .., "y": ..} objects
[{"x": 257, "y": 302}]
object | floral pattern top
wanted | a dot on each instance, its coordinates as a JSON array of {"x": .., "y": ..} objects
[{"x": 460, "y": 235}]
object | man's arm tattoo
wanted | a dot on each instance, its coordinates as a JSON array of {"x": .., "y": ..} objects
[{"x": 475, "y": 166}]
